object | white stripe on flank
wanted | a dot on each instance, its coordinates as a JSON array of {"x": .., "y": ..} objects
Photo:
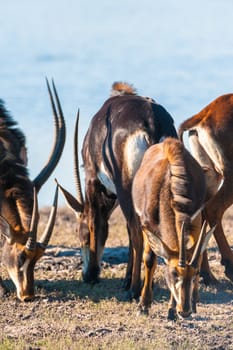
[{"x": 106, "y": 180}]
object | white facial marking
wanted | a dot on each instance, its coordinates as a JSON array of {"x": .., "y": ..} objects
[
  {"x": 86, "y": 258},
  {"x": 135, "y": 147},
  {"x": 14, "y": 276}
]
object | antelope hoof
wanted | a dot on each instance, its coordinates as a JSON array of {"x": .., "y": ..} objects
[
  {"x": 91, "y": 277},
  {"x": 130, "y": 295},
  {"x": 143, "y": 310},
  {"x": 172, "y": 315}
]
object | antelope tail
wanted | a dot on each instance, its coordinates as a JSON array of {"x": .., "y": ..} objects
[{"x": 189, "y": 124}]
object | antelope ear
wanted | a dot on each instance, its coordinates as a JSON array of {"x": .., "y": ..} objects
[
  {"x": 189, "y": 242},
  {"x": 71, "y": 201},
  {"x": 5, "y": 229},
  {"x": 158, "y": 246},
  {"x": 207, "y": 238}
]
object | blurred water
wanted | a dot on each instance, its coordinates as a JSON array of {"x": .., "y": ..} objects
[{"x": 178, "y": 52}]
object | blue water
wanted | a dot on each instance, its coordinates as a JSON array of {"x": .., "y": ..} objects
[{"x": 178, "y": 52}]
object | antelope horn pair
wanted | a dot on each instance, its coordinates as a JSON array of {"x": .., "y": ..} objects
[
  {"x": 42, "y": 177},
  {"x": 199, "y": 248},
  {"x": 32, "y": 237},
  {"x": 76, "y": 204},
  {"x": 76, "y": 164},
  {"x": 59, "y": 140}
]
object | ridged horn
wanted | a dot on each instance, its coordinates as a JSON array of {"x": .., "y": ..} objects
[
  {"x": 59, "y": 140},
  {"x": 182, "y": 255},
  {"x": 50, "y": 225},
  {"x": 198, "y": 248},
  {"x": 31, "y": 241},
  {"x": 76, "y": 164}
]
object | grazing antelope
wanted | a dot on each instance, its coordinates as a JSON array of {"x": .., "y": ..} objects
[
  {"x": 18, "y": 200},
  {"x": 168, "y": 192},
  {"x": 125, "y": 126},
  {"x": 210, "y": 138}
]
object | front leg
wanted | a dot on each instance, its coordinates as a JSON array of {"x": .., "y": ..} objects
[
  {"x": 195, "y": 296},
  {"x": 172, "y": 314},
  {"x": 214, "y": 212},
  {"x": 207, "y": 276},
  {"x": 150, "y": 263},
  {"x": 3, "y": 289}
]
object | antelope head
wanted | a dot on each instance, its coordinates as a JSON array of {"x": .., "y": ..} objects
[
  {"x": 77, "y": 205},
  {"x": 21, "y": 251},
  {"x": 182, "y": 273}
]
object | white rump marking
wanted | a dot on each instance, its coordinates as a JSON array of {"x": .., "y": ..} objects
[
  {"x": 135, "y": 147},
  {"x": 212, "y": 149}
]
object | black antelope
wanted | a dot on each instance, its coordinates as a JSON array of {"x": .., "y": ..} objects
[
  {"x": 210, "y": 138},
  {"x": 18, "y": 200},
  {"x": 168, "y": 194},
  {"x": 125, "y": 126}
]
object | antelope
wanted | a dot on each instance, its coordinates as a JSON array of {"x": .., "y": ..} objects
[
  {"x": 18, "y": 200},
  {"x": 118, "y": 135},
  {"x": 210, "y": 137},
  {"x": 168, "y": 193}
]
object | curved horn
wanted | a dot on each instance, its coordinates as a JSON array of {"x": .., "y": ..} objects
[
  {"x": 76, "y": 164},
  {"x": 201, "y": 244},
  {"x": 59, "y": 141},
  {"x": 50, "y": 225},
  {"x": 182, "y": 258},
  {"x": 31, "y": 241}
]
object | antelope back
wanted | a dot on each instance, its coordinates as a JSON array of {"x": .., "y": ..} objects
[{"x": 213, "y": 125}]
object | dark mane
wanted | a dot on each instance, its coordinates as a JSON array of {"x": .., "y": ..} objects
[
  {"x": 8, "y": 123},
  {"x": 12, "y": 142}
]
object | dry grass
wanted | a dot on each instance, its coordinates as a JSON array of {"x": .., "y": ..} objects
[{"x": 69, "y": 314}]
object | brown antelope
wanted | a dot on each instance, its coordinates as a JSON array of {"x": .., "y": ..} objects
[
  {"x": 125, "y": 126},
  {"x": 18, "y": 200},
  {"x": 210, "y": 137},
  {"x": 168, "y": 194}
]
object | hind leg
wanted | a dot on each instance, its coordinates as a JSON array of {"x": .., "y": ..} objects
[{"x": 214, "y": 212}]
